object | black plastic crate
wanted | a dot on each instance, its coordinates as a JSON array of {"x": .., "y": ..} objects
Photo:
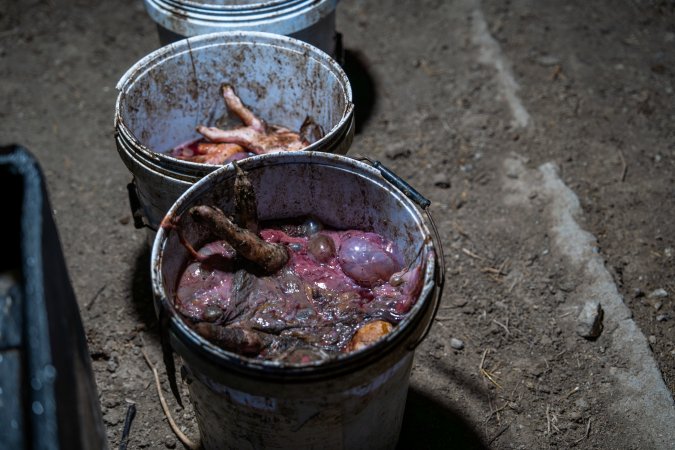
[{"x": 48, "y": 396}]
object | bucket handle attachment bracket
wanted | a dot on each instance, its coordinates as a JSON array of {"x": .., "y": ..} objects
[
  {"x": 136, "y": 208},
  {"x": 423, "y": 203}
]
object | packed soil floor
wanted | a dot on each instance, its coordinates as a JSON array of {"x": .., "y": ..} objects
[{"x": 543, "y": 134}]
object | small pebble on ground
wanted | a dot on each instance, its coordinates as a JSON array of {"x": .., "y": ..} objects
[
  {"x": 457, "y": 344},
  {"x": 658, "y": 293},
  {"x": 589, "y": 322},
  {"x": 442, "y": 181}
]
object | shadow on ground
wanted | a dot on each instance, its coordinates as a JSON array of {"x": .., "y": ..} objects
[
  {"x": 364, "y": 91},
  {"x": 141, "y": 292},
  {"x": 428, "y": 424}
]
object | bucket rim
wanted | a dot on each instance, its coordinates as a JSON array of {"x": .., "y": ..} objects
[
  {"x": 142, "y": 152},
  {"x": 277, "y": 16},
  {"x": 182, "y": 171},
  {"x": 191, "y": 44},
  {"x": 405, "y": 332}
]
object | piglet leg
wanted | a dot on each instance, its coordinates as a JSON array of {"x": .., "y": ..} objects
[
  {"x": 244, "y": 136},
  {"x": 241, "y": 136},
  {"x": 235, "y": 105},
  {"x": 256, "y": 136},
  {"x": 269, "y": 256}
]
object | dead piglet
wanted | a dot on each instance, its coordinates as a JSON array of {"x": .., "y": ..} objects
[
  {"x": 203, "y": 152},
  {"x": 253, "y": 343},
  {"x": 243, "y": 302},
  {"x": 211, "y": 298},
  {"x": 262, "y": 302},
  {"x": 330, "y": 337},
  {"x": 235, "y": 339},
  {"x": 256, "y": 136},
  {"x": 283, "y": 304},
  {"x": 341, "y": 307},
  {"x": 268, "y": 256}
]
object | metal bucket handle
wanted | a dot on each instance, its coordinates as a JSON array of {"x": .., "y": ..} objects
[{"x": 423, "y": 203}]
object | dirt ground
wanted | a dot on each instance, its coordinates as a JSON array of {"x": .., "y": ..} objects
[{"x": 595, "y": 80}]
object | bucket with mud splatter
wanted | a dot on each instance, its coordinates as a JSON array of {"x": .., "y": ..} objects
[
  {"x": 311, "y": 21},
  {"x": 246, "y": 92},
  {"x": 332, "y": 396}
]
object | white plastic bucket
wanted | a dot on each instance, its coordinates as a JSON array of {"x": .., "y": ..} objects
[
  {"x": 312, "y": 21},
  {"x": 355, "y": 400},
  {"x": 165, "y": 95}
]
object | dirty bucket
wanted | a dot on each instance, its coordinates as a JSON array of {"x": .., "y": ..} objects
[
  {"x": 311, "y": 21},
  {"x": 164, "y": 96},
  {"x": 354, "y": 400}
]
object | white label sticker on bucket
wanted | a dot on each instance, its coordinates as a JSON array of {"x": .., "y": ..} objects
[
  {"x": 366, "y": 389},
  {"x": 242, "y": 398},
  {"x": 229, "y": 418},
  {"x": 325, "y": 414}
]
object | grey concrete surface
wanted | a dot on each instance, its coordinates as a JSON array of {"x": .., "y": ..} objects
[{"x": 642, "y": 397}]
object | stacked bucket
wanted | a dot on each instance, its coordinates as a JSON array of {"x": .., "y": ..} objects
[{"x": 280, "y": 56}]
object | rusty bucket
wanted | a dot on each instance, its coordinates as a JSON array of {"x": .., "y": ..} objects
[
  {"x": 354, "y": 400},
  {"x": 165, "y": 95}
]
